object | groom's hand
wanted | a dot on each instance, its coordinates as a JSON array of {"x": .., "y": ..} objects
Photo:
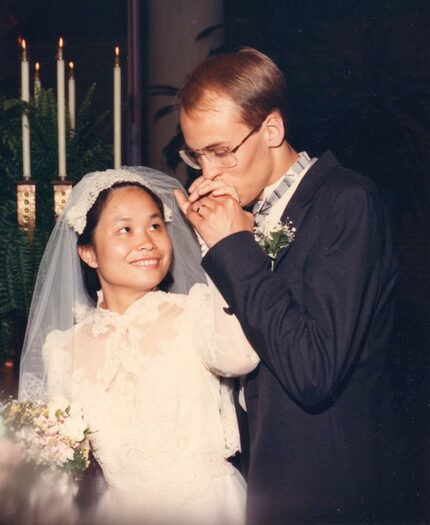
[
  {"x": 215, "y": 217},
  {"x": 202, "y": 187}
]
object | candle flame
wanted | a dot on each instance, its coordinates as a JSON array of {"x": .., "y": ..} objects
[
  {"x": 60, "y": 48},
  {"x": 71, "y": 65},
  {"x": 37, "y": 66},
  {"x": 116, "y": 61},
  {"x": 8, "y": 363},
  {"x": 24, "y": 48}
]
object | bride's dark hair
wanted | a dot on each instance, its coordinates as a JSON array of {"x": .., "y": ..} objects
[{"x": 90, "y": 277}]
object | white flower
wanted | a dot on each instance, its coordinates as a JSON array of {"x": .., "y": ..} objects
[
  {"x": 57, "y": 403},
  {"x": 75, "y": 411},
  {"x": 77, "y": 218},
  {"x": 74, "y": 426},
  {"x": 273, "y": 238}
]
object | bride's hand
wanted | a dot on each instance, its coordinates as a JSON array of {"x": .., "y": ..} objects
[
  {"x": 216, "y": 188},
  {"x": 215, "y": 218}
]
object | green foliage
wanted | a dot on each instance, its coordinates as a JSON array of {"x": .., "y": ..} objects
[
  {"x": 88, "y": 149},
  {"x": 78, "y": 464}
]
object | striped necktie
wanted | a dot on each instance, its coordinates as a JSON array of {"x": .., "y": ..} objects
[{"x": 261, "y": 210}]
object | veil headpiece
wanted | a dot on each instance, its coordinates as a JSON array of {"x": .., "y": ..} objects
[{"x": 60, "y": 299}]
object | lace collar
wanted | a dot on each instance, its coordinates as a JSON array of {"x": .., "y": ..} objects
[
  {"x": 134, "y": 304},
  {"x": 103, "y": 318}
]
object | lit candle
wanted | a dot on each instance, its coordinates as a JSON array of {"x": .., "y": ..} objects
[
  {"x": 72, "y": 98},
  {"x": 25, "y": 97},
  {"x": 37, "y": 83},
  {"x": 117, "y": 110},
  {"x": 61, "y": 112}
]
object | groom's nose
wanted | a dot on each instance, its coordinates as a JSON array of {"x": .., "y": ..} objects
[{"x": 209, "y": 169}]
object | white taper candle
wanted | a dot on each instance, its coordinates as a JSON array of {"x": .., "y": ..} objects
[
  {"x": 37, "y": 82},
  {"x": 61, "y": 113},
  {"x": 117, "y": 110},
  {"x": 25, "y": 97},
  {"x": 72, "y": 98}
]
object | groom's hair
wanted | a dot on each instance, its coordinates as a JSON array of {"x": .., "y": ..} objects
[
  {"x": 90, "y": 277},
  {"x": 250, "y": 78}
]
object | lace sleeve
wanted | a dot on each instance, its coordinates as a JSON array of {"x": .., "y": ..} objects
[{"x": 224, "y": 347}]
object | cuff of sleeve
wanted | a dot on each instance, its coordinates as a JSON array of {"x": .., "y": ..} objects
[{"x": 232, "y": 262}]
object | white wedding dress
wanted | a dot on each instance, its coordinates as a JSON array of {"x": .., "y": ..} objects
[{"x": 163, "y": 424}]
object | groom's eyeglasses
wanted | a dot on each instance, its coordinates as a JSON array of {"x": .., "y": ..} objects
[{"x": 221, "y": 156}]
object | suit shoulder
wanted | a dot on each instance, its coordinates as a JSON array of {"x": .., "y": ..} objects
[
  {"x": 344, "y": 179},
  {"x": 352, "y": 188}
]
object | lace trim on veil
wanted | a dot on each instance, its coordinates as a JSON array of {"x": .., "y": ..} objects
[
  {"x": 77, "y": 215},
  {"x": 32, "y": 388}
]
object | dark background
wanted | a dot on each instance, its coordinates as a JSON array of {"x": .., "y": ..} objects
[{"x": 358, "y": 84}]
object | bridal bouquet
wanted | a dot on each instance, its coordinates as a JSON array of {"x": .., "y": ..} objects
[
  {"x": 52, "y": 435},
  {"x": 44, "y": 449}
]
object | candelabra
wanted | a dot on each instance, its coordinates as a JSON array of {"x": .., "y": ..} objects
[
  {"x": 62, "y": 190},
  {"x": 26, "y": 206}
]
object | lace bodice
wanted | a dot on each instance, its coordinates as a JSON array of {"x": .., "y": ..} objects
[{"x": 162, "y": 422}]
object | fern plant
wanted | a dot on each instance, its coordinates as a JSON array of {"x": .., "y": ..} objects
[{"x": 88, "y": 149}]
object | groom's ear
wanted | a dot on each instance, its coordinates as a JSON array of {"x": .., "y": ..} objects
[
  {"x": 275, "y": 130},
  {"x": 87, "y": 254}
]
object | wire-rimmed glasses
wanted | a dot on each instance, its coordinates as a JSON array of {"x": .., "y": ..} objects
[{"x": 219, "y": 155}]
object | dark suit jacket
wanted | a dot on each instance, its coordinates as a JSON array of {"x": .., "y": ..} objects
[{"x": 319, "y": 402}]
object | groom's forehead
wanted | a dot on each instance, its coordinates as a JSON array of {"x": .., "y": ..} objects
[
  {"x": 212, "y": 124},
  {"x": 213, "y": 107}
]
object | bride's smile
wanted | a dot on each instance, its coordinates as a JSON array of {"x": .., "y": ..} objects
[{"x": 146, "y": 262}]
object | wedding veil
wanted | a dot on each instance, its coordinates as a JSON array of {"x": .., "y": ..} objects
[{"x": 60, "y": 299}]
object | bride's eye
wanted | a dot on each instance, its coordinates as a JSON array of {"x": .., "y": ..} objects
[
  {"x": 156, "y": 226},
  {"x": 124, "y": 229}
]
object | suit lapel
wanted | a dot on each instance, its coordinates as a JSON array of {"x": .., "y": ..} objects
[{"x": 297, "y": 208}]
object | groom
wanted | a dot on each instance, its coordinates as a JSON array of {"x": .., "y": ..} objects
[{"x": 319, "y": 315}]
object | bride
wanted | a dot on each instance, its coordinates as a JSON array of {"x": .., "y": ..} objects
[{"x": 123, "y": 323}]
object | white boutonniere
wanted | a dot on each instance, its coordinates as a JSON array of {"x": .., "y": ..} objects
[{"x": 273, "y": 238}]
